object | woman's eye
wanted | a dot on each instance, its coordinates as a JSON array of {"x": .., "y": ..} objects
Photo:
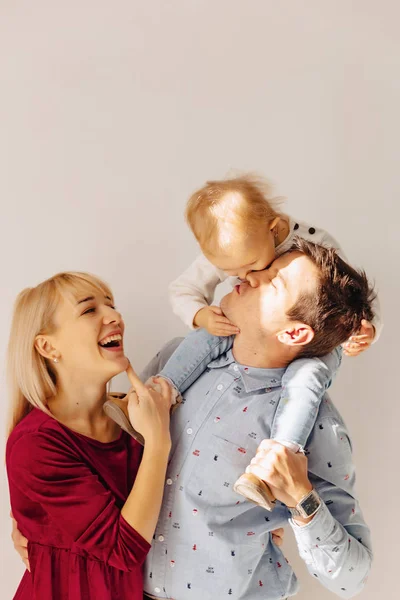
[{"x": 89, "y": 310}]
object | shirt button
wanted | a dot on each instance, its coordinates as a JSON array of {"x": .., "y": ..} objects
[
  {"x": 296, "y": 226},
  {"x": 161, "y": 538},
  {"x": 169, "y": 481},
  {"x": 189, "y": 431},
  {"x": 157, "y": 590},
  {"x": 236, "y": 368},
  {"x": 220, "y": 387},
  {"x": 311, "y": 230}
]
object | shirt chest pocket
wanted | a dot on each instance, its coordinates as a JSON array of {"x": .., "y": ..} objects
[{"x": 211, "y": 481}]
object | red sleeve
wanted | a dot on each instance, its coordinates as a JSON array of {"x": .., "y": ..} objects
[{"x": 45, "y": 468}]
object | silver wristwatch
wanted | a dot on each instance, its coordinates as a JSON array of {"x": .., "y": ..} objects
[{"x": 307, "y": 507}]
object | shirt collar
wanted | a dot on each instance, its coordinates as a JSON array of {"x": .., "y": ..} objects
[{"x": 254, "y": 378}]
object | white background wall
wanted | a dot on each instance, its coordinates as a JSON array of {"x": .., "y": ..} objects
[{"x": 112, "y": 113}]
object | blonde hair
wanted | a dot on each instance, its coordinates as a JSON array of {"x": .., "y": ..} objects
[
  {"x": 223, "y": 211},
  {"x": 31, "y": 379}
]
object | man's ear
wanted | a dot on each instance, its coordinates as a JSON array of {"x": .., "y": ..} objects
[
  {"x": 44, "y": 346},
  {"x": 297, "y": 334}
]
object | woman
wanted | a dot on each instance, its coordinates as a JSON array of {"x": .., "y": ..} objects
[{"x": 82, "y": 491}]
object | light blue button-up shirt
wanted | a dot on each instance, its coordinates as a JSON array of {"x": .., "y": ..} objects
[{"x": 212, "y": 543}]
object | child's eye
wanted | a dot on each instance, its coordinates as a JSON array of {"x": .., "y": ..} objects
[{"x": 89, "y": 310}]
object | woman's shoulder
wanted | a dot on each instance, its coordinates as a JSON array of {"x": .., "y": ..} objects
[{"x": 36, "y": 425}]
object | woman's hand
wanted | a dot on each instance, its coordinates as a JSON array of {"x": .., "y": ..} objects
[
  {"x": 20, "y": 543},
  {"x": 149, "y": 410}
]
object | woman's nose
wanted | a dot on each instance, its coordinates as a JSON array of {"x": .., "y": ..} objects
[{"x": 111, "y": 315}]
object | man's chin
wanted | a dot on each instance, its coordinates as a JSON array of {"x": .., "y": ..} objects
[{"x": 225, "y": 305}]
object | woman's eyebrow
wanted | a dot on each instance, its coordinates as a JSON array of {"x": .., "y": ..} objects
[
  {"x": 91, "y": 298},
  {"x": 88, "y": 299}
]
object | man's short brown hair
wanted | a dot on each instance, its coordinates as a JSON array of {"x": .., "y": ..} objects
[{"x": 342, "y": 300}]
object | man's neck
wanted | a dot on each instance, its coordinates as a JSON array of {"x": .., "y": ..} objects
[{"x": 269, "y": 354}]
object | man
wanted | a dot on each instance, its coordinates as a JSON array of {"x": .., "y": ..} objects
[{"x": 209, "y": 541}]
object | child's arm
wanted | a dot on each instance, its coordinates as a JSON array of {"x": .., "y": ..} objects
[
  {"x": 192, "y": 356},
  {"x": 303, "y": 385},
  {"x": 194, "y": 289}
]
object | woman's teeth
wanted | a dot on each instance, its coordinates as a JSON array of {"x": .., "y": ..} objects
[{"x": 111, "y": 338}]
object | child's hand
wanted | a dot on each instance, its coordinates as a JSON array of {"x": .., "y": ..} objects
[
  {"x": 212, "y": 318},
  {"x": 361, "y": 341}
]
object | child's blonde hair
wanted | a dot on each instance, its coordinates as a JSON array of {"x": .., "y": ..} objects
[
  {"x": 31, "y": 379},
  {"x": 224, "y": 211}
]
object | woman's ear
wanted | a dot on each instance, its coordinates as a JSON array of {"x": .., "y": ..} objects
[
  {"x": 297, "y": 335},
  {"x": 44, "y": 346}
]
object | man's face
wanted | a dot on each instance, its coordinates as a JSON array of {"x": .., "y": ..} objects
[{"x": 260, "y": 305}]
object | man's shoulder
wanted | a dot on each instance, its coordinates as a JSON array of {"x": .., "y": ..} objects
[
  {"x": 329, "y": 447},
  {"x": 328, "y": 410}
]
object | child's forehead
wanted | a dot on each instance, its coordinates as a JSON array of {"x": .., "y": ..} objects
[{"x": 241, "y": 248}]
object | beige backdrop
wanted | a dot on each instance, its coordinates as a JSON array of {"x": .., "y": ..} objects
[{"x": 112, "y": 112}]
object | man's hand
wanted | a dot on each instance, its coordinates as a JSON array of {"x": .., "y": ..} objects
[
  {"x": 361, "y": 341},
  {"x": 284, "y": 471},
  {"x": 20, "y": 543},
  {"x": 212, "y": 319}
]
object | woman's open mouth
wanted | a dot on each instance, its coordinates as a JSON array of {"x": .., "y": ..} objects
[{"x": 113, "y": 343}]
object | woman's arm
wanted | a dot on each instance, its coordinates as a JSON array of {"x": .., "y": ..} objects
[
  {"x": 150, "y": 412},
  {"x": 44, "y": 467}
]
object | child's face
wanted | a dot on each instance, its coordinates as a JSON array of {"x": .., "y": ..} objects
[{"x": 252, "y": 254}]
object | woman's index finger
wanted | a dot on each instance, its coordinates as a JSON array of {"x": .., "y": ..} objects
[{"x": 135, "y": 381}]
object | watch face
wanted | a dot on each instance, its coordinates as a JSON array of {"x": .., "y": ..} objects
[{"x": 310, "y": 504}]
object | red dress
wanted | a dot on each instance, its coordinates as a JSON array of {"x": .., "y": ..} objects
[{"x": 67, "y": 492}]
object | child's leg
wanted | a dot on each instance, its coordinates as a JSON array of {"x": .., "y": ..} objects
[
  {"x": 192, "y": 356},
  {"x": 303, "y": 386}
]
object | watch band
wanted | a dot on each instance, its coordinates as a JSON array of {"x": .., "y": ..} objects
[{"x": 308, "y": 505}]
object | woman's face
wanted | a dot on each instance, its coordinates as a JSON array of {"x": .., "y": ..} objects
[{"x": 88, "y": 338}]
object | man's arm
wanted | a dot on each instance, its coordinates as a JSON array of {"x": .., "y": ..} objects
[{"x": 336, "y": 543}]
